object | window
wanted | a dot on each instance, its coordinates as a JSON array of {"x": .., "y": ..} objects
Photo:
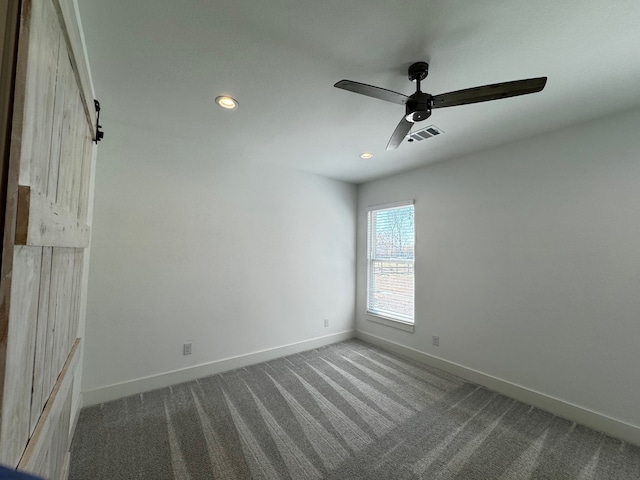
[{"x": 390, "y": 259}]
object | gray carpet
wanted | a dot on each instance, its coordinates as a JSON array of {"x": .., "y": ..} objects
[{"x": 347, "y": 411}]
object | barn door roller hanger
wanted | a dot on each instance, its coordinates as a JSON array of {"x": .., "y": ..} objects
[{"x": 99, "y": 133}]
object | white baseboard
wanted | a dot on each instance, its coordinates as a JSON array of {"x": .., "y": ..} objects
[
  {"x": 597, "y": 421},
  {"x": 153, "y": 382}
]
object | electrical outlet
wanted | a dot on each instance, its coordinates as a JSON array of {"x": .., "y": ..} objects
[
  {"x": 435, "y": 340},
  {"x": 186, "y": 348},
  {"x": 326, "y": 322}
]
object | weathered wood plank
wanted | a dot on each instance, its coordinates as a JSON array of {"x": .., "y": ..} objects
[
  {"x": 68, "y": 140},
  {"x": 16, "y": 404},
  {"x": 42, "y": 466},
  {"x": 53, "y": 414},
  {"x": 68, "y": 186},
  {"x": 65, "y": 469},
  {"x": 59, "y": 120},
  {"x": 87, "y": 166},
  {"x": 60, "y": 441},
  {"x": 28, "y": 57},
  {"x": 42, "y": 222},
  {"x": 78, "y": 268},
  {"x": 40, "y": 94},
  {"x": 76, "y": 159},
  {"x": 60, "y": 296},
  {"x": 50, "y": 368},
  {"x": 4, "y": 15},
  {"x": 71, "y": 30},
  {"x": 41, "y": 384}
]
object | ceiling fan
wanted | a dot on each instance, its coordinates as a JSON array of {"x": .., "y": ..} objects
[{"x": 418, "y": 106}]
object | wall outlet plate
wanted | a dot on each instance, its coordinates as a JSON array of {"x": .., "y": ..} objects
[
  {"x": 435, "y": 340},
  {"x": 186, "y": 348}
]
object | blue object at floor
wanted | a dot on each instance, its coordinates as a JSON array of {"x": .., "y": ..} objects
[{"x": 10, "y": 474}]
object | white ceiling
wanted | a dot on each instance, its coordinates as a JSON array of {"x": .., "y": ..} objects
[{"x": 159, "y": 64}]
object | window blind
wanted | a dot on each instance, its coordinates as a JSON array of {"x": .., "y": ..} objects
[{"x": 391, "y": 247}]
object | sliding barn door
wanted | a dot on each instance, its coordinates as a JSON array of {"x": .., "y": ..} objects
[{"x": 45, "y": 237}]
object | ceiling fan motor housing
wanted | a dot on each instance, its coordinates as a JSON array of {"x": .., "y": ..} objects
[{"x": 418, "y": 107}]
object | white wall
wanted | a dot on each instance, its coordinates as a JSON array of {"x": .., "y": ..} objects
[
  {"x": 528, "y": 263},
  {"x": 234, "y": 255}
]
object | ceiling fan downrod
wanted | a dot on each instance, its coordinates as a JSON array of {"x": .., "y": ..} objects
[{"x": 418, "y": 106}]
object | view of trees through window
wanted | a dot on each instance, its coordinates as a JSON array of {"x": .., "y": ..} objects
[{"x": 391, "y": 262}]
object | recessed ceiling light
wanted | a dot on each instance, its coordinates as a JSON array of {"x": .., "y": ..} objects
[
  {"x": 227, "y": 102},
  {"x": 366, "y": 155}
]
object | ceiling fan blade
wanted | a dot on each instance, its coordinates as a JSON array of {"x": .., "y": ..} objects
[
  {"x": 489, "y": 92},
  {"x": 371, "y": 91},
  {"x": 399, "y": 134}
]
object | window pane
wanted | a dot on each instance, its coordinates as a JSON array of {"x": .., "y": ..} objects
[
  {"x": 390, "y": 288},
  {"x": 394, "y": 236}
]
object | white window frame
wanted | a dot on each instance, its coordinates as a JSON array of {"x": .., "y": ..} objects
[{"x": 393, "y": 319}]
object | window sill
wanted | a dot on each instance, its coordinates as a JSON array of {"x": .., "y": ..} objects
[{"x": 389, "y": 322}]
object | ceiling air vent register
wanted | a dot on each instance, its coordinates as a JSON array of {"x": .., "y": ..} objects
[{"x": 424, "y": 133}]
